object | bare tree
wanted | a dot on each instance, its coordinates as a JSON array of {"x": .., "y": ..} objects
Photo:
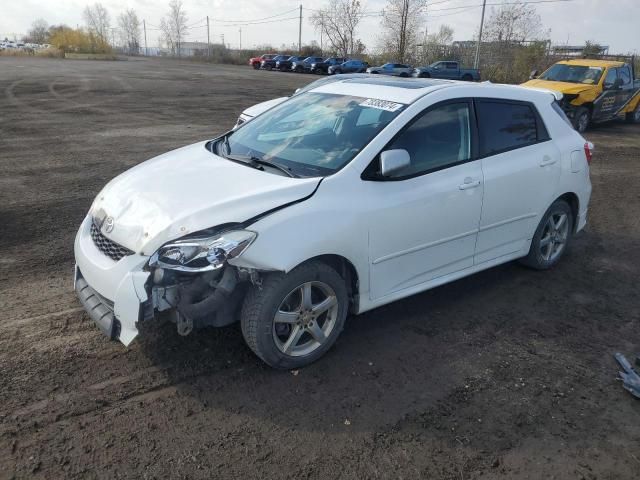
[
  {"x": 130, "y": 30},
  {"x": 338, "y": 23},
  {"x": 174, "y": 26},
  {"x": 444, "y": 36},
  {"x": 517, "y": 22},
  {"x": 98, "y": 21},
  {"x": 38, "y": 33},
  {"x": 400, "y": 22}
]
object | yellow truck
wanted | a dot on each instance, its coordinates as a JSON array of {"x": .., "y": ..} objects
[{"x": 592, "y": 90}]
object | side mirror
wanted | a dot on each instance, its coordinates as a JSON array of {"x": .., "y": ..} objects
[
  {"x": 392, "y": 161},
  {"x": 534, "y": 74}
]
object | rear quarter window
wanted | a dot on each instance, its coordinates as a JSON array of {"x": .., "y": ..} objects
[{"x": 506, "y": 125}]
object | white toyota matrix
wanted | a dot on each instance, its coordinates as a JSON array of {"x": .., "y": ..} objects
[{"x": 345, "y": 197}]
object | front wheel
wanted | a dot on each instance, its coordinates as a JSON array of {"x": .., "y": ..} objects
[
  {"x": 581, "y": 119},
  {"x": 256, "y": 66},
  {"x": 551, "y": 238},
  {"x": 467, "y": 78},
  {"x": 292, "y": 319},
  {"x": 404, "y": 75}
]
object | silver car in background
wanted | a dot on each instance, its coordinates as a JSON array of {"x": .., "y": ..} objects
[{"x": 393, "y": 69}]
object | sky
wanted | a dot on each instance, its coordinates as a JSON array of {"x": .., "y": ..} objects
[{"x": 607, "y": 22}]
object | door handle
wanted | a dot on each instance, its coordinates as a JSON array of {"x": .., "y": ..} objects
[
  {"x": 547, "y": 160},
  {"x": 469, "y": 183}
]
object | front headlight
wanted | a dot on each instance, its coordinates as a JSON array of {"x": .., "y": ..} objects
[{"x": 202, "y": 254}]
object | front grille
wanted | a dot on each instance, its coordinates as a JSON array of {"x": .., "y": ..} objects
[{"x": 109, "y": 248}]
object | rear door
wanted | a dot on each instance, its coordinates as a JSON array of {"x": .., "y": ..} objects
[
  {"x": 626, "y": 91},
  {"x": 521, "y": 168}
]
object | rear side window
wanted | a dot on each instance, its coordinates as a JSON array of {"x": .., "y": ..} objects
[
  {"x": 506, "y": 126},
  {"x": 624, "y": 75}
]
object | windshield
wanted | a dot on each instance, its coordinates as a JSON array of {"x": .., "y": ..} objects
[
  {"x": 561, "y": 72},
  {"x": 313, "y": 134}
]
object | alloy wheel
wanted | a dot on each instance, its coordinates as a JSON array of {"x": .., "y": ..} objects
[
  {"x": 305, "y": 319},
  {"x": 554, "y": 236}
]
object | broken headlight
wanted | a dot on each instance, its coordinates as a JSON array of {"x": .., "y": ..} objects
[{"x": 202, "y": 254}]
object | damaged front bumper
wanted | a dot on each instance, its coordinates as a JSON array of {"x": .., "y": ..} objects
[
  {"x": 114, "y": 293},
  {"x": 120, "y": 294}
]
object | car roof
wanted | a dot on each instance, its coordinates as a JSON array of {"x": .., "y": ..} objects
[
  {"x": 409, "y": 90},
  {"x": 587, "y": 62}
]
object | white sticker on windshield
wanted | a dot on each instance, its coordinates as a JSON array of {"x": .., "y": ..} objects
[{"x": 381, "y": 104}]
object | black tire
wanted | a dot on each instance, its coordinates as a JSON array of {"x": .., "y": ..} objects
[
  {"x": 425, "y": 75},
  {"x": 256, "y": 66},
  {"x": 268, "y": 68},
  {"x": 298, "y": 70},
  {"x": 581, "y": 119},
  {"x": 467, "y": 78},
  {"x": 404, "y": 75},
  {"x": 261, "y": 304},
  {"x": 634, "y": 117},
  {"x": 535, "y": 259},
  {"x": 375, "y": 73}
]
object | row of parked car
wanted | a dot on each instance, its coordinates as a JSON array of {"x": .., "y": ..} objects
[
  {"x": 11, "y": 45},
  {"x": 339, "y": 65}
]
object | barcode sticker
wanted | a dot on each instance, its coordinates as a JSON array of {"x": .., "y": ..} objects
[{"x": 381, "y": 104}]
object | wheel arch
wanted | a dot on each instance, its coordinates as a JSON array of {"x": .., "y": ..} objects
[
  {"x": 346, "y": 270},
  {"x": 574, "y": 203}
]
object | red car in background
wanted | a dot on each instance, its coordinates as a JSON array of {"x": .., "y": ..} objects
[{"x": 255, "y": 62}]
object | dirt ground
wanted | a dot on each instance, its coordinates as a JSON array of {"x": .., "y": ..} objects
[{"x": 505, "y": 374}]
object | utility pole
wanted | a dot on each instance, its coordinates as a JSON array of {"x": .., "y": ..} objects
[
  {"x": 477, "y": 60},
  {"x": 208, "y": 39},
  {"x": 300, "y": 32},
  {"x": 144, "y": 26},
  {"x": 222, "y": 37},
  {"x": 241, "y": 40}
]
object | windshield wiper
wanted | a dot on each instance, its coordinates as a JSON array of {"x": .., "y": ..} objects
[{"x": 258, "y": 163}]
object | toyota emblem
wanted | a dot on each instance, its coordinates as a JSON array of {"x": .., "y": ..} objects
[{"x": 108, "y": 224}]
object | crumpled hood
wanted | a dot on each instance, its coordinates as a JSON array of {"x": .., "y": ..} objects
[
  {"x": 188, "y": 190},
  {"x": 563, "y": 87}
]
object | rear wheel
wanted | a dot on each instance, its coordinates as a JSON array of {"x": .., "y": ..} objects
[
  {"x": 581, "y": 119},
  {"x": 292, "y": 319},
  {"x": 404, "y": 75},
  {"x": 467, "y": 78},
  {"x": 634, "y": 117},
  {"x": 552, "y": 237}
]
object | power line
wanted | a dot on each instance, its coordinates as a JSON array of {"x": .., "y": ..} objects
[{"x": 255, "y": 19}]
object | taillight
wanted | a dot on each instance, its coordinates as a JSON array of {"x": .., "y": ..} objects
[{"x": 588, "y": 151}]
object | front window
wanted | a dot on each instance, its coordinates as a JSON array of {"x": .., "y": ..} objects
[
  {"x": 437, "y": 139},
  {"x": 313, "y": 134},
  {"x": 561, "y": 72}
]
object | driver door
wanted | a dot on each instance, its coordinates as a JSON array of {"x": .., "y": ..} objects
[{"x": 423, "y": 221}]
